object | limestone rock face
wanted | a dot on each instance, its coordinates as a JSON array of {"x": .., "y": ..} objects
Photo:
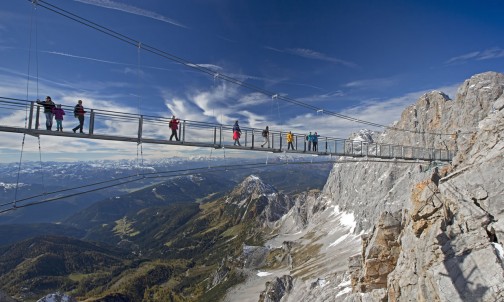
[
  {"x": 444, "y": 245},
  {"x": 380, "y": 254}
]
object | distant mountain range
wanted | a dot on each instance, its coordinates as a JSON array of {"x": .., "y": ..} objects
[{"x": 62, "y": 177}]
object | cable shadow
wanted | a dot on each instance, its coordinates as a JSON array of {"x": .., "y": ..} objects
[{"x": 460, "y": 270}]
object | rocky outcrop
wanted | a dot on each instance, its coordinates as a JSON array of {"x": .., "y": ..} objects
[
  {"x": 276, "y": 289},
  {"x": 380, "y": 254},
  {"x": 255, "y": 200}
]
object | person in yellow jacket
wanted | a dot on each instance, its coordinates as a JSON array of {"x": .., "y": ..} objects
[{"x": 290, "y": 139}]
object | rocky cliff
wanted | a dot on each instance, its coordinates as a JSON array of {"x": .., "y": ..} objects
[{"x": 395, "y": 231}]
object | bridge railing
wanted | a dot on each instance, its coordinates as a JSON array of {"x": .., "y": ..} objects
[{"x": 106, "y": 124}]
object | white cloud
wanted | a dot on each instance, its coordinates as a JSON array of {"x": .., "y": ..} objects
[
  {"x": 371, "y": 83},
  {"x": 131, "y": 10},
  {"x": 311, "y": 54},
  {"x": 487, "y": 54}
]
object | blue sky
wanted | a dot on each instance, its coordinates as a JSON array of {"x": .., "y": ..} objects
[{"x": 366, "y": 59}]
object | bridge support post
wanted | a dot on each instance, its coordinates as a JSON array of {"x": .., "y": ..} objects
[
  {"x": 183, "y": 129},
  {"x": 91, "y": 121},
  {"x": 140, "y": 126},
  {"x": 326, "y": 145},
  {"x": 215, "y": 136},
  {"x": 30, "y": 118},
  {"x": 220, "y": 135},
  {"x": 252, "y": 139},
  {"x": 37, "y": 117},
  {"x": 246, "y": 136},
  {"x": 280, "y": 141}
]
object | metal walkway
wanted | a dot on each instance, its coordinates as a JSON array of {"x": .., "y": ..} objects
[{"x": 127, "y": 127}]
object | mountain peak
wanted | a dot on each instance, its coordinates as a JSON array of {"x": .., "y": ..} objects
[{"x": 251, "y": 187}]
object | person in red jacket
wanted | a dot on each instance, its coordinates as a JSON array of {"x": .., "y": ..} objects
[{"x": 174, "y": 127}]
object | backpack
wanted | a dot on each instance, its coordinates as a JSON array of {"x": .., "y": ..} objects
[{"x": 265, "y": 133}]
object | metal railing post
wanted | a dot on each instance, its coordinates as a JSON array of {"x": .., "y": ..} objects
[
  {"x": 37, "y": 118},
  {"x": 30, "y": 118},
  {"x": 215, "y": 136},
  {"x": 220, "y": 135},
  {"x": 91, "y": 121},
  {"x": 246, "y": 137},
  {"x": 280, "y": 141},
  {"x": 326, "y": 145},
  {"x": 252, "y": 139},
  {"x": 183, "y": 131},
  {"x": 140, "y": 125}
]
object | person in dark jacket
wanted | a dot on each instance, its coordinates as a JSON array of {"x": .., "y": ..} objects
[
  {"x": 265, "y": 135},
  {"x": 48, "y": 107},
  {"x": 58, "y": 115},
  {"x": 79, "y": 113},
  {"x": 315, "y": 141},
  {"x": 236, "y": 133},
  {"x": 174, "y": 127}
]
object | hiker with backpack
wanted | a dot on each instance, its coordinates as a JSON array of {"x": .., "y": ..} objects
[
  {"x": 290, "y": 139},
  {"x": 236, "y": 133},
  {"x": 265, "y": 135},
  {"x": 174, "y": 127},
  {"x": 309, "y": 139}
]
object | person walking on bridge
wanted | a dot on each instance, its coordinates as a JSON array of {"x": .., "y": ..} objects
[
  {"x": 79, "y": 114},
  {"x": 58, "y": 115},
  {"x": 309, "y": 138},
  {"x": 174, "y": 127},
  {"x": 290, "y": 139},
  {"x": 315, "y": 141},
  {"x": 236, "y": 133},
  {"x": 265, "y": 135},
  {"x": 48, "y": 107}
]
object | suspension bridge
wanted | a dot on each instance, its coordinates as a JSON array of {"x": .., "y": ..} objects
[{"x": 128, "y": 127}]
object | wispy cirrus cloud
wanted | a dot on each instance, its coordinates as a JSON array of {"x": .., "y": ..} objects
[
  {"x": 371, "y": 83},
  {"x": 311, "y": 54},
  {"x": 131, "y": 10},
  {"x": 487, "y": 54}
]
